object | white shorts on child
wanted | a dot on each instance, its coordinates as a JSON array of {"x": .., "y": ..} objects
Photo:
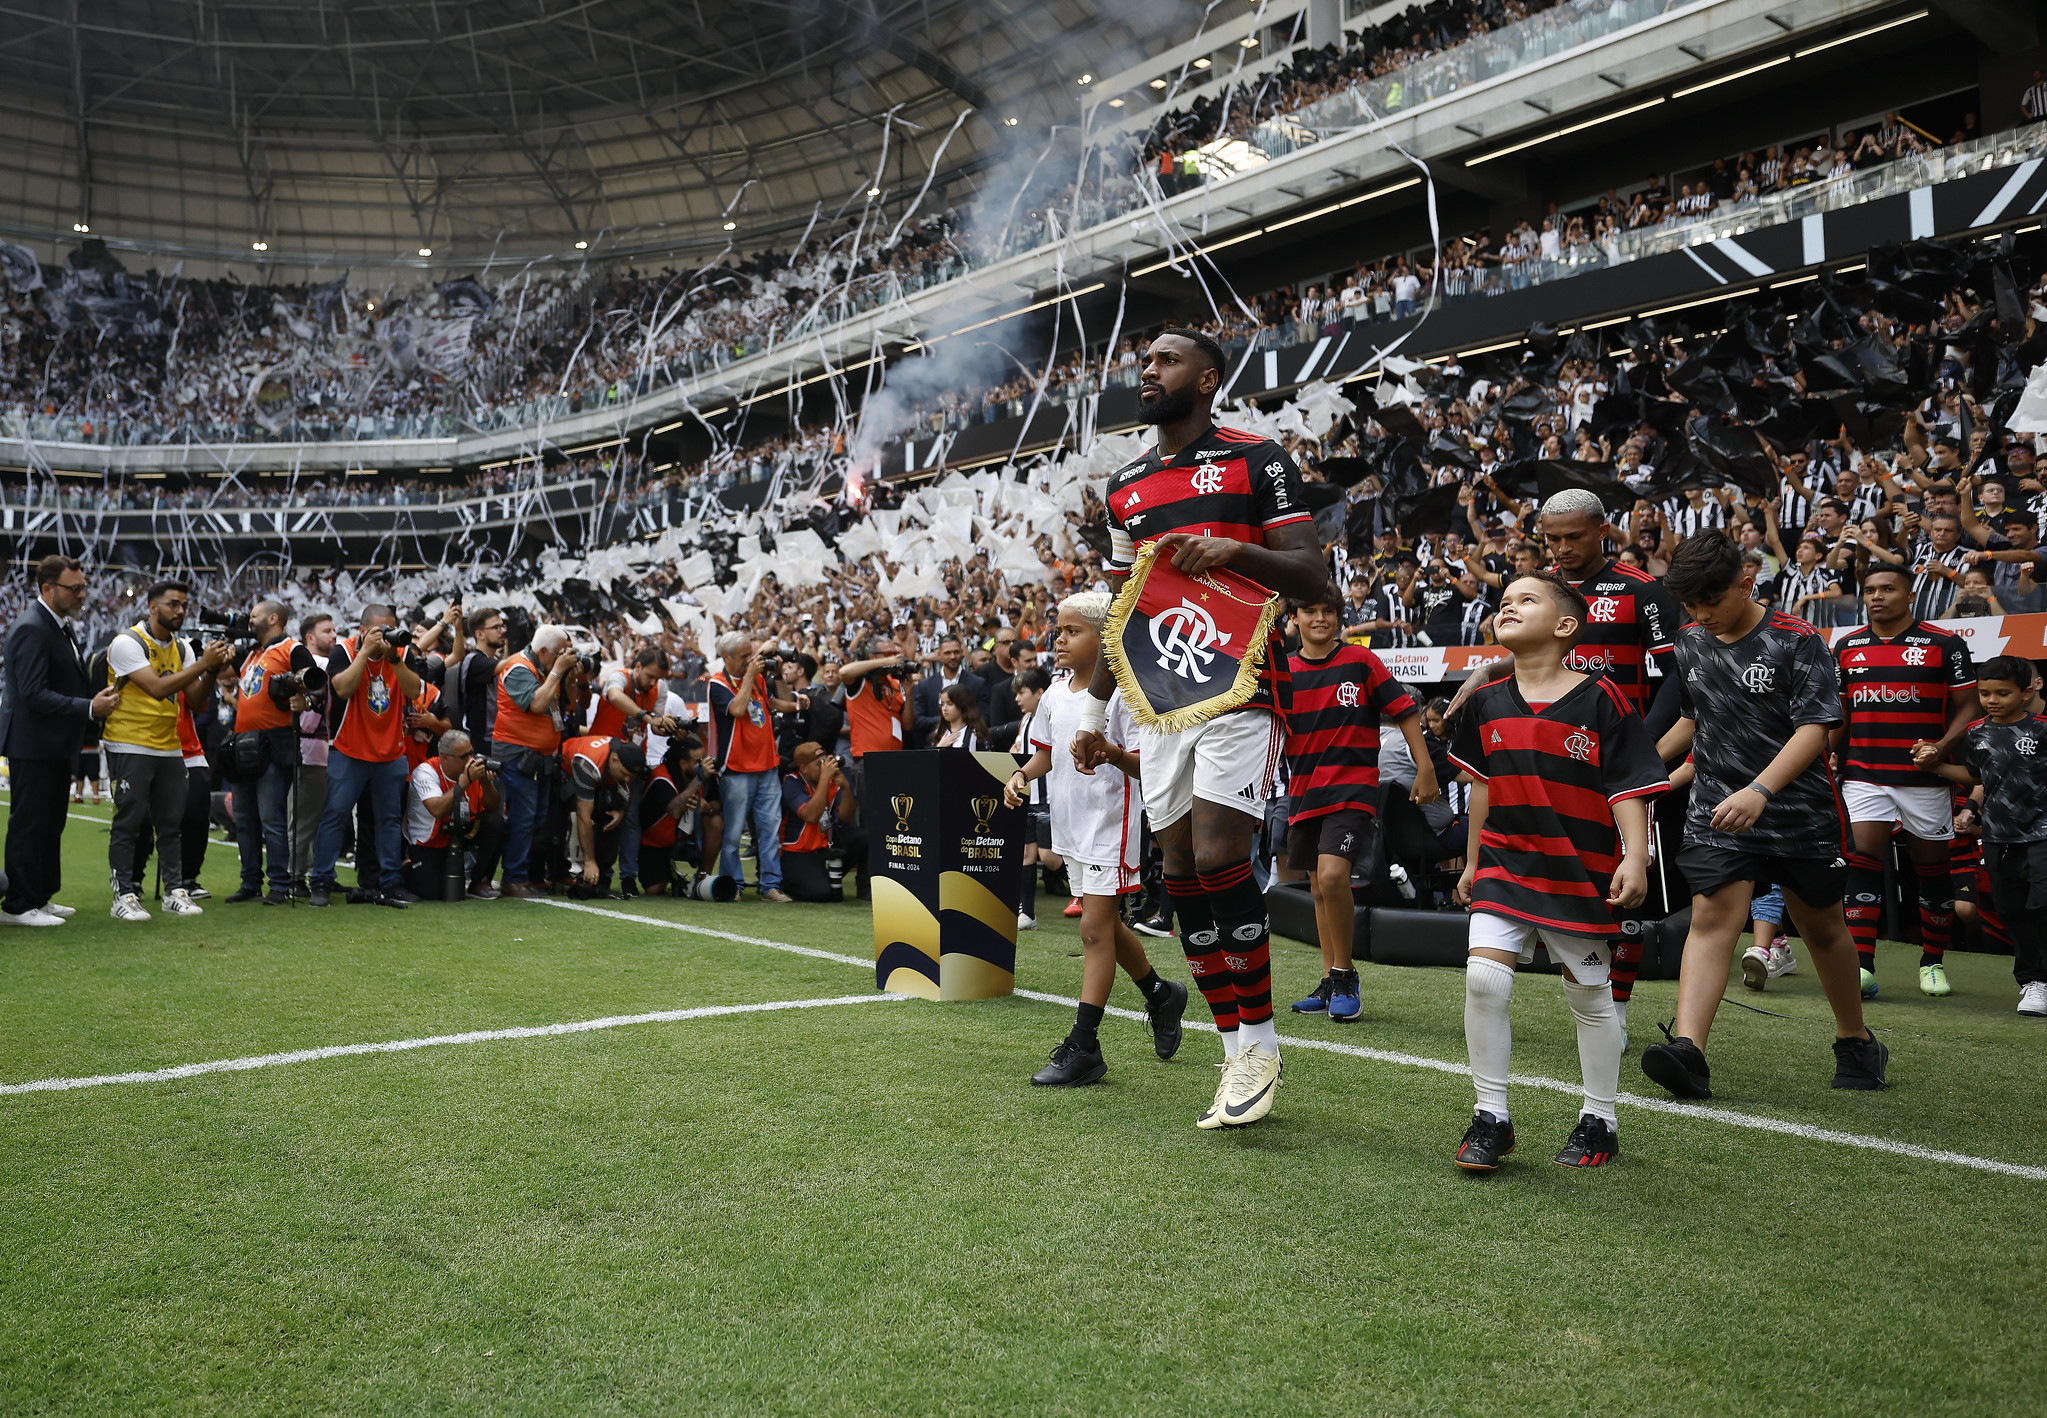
[
  {"x": 1093, "y": 879},
  {"x": 1588, "y": 957}
]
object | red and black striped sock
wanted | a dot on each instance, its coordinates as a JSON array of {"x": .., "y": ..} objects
[
  {"x": 1627, "y": 964},
  {"x": 1936, "y": 910},
  {"x": 1202, "y": 944},
  {"x": 1863, "y": 905},
  {"x": 1246, "y": 931}
]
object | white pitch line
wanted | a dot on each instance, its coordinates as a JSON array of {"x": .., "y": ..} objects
[
  {"x": 397, "y": 1046},
  {"x": 1864, "y": 1141}
]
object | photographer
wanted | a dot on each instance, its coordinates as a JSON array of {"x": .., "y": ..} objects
[
  {"x": 603, "y": 775},
  {"x": 472, "y": 680},
  {"x": 740, "y": 706},
  {"x": 633, "y": 703},
  {"x": 675, "y": 809},
  {"x": 370, "y": 685},
  {"x": 454, "y": 803},
  {"x": 309, "y": 796},
  {"x": 815, "y": 718},
  {"x": 877, "y": 710},
  {"x": 817, "y": 823},
  {"x": 156, "y": 674},
  {"x": 263, "y": 759},
  {"x": 535, "y": 689}
]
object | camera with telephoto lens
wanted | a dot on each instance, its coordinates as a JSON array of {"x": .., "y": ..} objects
[
  {"x": 399, "y": 637},
  {"x": 590, "y": 663},
  {"x": 311, "y": 682},
  {"x": 225, "y": 625},
  {"x": 704, "y": 886},
  {"x": 493, "y": 765}
]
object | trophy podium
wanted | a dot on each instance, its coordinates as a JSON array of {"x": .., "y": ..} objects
[{"x": 943, "y": 855}]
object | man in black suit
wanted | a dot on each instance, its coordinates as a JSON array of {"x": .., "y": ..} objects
[
  {"x": 945, "y": 674},
  {"x": 49, "y": 702}
]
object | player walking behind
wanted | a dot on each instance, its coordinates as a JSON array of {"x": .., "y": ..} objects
[
  {"x": 1562, "y": 769},
  {"x": 1097, "y": 817},
  {"x": 1902, "y": 681},
  {"x": 2006, "y": 752},
  {"x": 1760, "y": 696},
  {"x": 1341, "y": 692}
]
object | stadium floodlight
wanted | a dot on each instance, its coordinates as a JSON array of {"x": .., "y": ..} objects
[
  {"x": 582, "y": 246},
  {"x": 259, "y": 246},
  {"x": 80, "y": 227},
  {"x": 369, "y": 305},
  {"x": 1863, "y": 34},
  {"x": 426, "y": 251},
  {"x": 1737, "y": 74},
  {"x": 1115, "y": 103},
  {"x": 1203, "y": 62},
  {"x": 1158, "y": 83},
  {"x": 1087, "y": 78},
  {"x": 1010, "y": 122},
  {"x": 732, "y": 226},
  {"x": 1249, "y": 41},
  {"x": 874, "y": 191}
]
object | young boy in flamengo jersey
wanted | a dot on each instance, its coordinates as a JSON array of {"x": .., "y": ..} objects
[
  {"x": 1902, "y": 681},
  {"x": 1759, "y": 696},
  {"x": 1341, "y": 692},
  {"x": 1096, "y": 827},
  {"x": 1562, "y": 769},
  {"x": 2006, "y": 751}
]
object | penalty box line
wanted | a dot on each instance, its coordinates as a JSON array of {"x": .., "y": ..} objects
[
  {"x": 1864, "y": 1141},
  {"x": 399, "y": 1046}
]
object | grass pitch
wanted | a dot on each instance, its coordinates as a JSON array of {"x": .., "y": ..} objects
[{"x": 862, "y": 1208}]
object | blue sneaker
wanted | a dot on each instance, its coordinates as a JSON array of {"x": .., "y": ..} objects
[
  {"x": 1344, "y": 1005},
  {"x": 1317, "y": 1002}
]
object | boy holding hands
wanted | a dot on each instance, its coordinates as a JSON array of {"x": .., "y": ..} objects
[{"x": 1562, "y": 768}]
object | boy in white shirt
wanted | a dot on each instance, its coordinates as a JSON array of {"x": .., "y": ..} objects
[{"x": 1096, "y": 822}]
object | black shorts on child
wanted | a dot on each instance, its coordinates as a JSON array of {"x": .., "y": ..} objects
[
  {"x": 1346, "y": 833},
  {"x": 1816, "y": 881}
]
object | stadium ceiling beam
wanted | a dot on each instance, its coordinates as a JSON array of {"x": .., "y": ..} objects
[
  {"x": 1999, "y": 25},
  {"x": 863, "y": 24},
  {"x": 78, "y": 111}
]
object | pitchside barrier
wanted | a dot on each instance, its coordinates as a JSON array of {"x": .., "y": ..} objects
[{"x": 943, "y": 858}]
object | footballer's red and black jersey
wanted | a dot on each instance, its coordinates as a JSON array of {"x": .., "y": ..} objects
[
  {"x": 1549, "y": 848},
  {"x": 1227, "y": 483},
  {"x": 1332, "y": 741},
  {"x": 1630, "y": 620},
  {"x": 1747, "y": 700},
  {"x": 1893, "y": 694}
]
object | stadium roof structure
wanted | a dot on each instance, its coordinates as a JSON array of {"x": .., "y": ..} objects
[{"x": 371, "y": 132}]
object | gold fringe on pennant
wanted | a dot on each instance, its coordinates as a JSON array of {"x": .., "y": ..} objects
[{"x": 1187, "y": 716}]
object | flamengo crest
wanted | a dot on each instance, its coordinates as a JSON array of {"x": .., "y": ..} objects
[{"x": 1186, "y": 637}]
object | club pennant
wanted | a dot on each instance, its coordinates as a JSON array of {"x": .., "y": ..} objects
[{"x": 1186, "y": 648}]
